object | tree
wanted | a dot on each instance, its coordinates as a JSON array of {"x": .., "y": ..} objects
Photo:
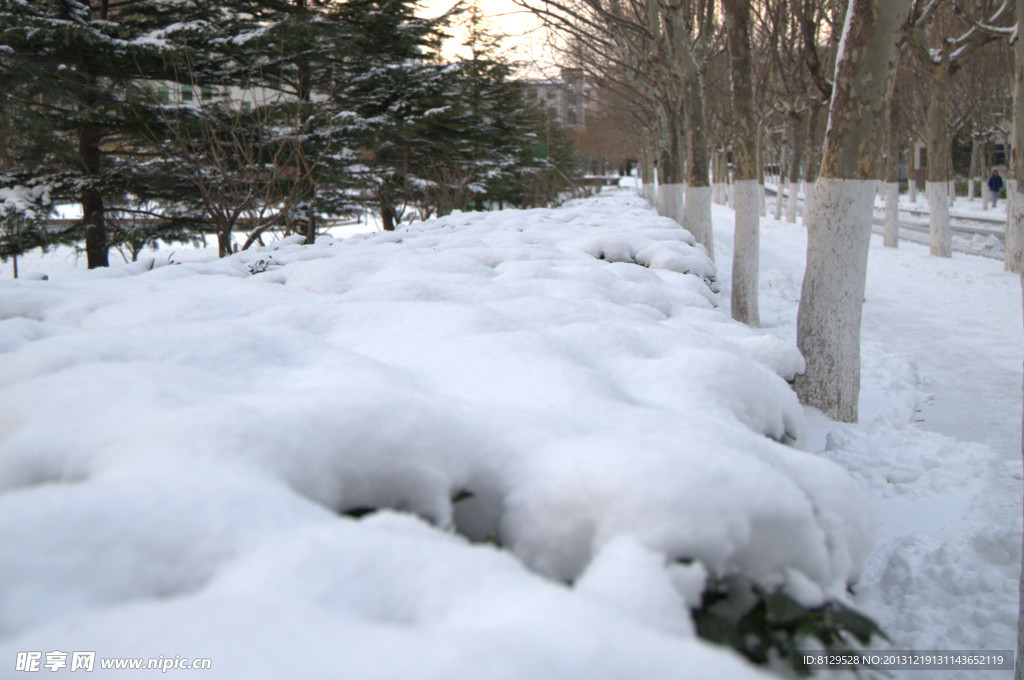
[
  {"x": 658, "y": 51},
  {"x": 943, "y": 57},
  {"x": 236, "y": 164},
  {"x": 745, "y": 172},
  {"x": 891, "y": 188},
  {"x": 839, "y": 221},
  {"x": 390, "y": 94},
  {"x": 84, "y": 71},
  {"x": 1015, "y": 248},
  {"x": 489, "y": 144}
]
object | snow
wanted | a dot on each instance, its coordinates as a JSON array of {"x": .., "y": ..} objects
[
  {"x": 938, "y": 447},
  {"x": 187, "y": 449},
  {"x": 31, "y": 201}
]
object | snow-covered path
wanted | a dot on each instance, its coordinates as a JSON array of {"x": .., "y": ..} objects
[{"x": 970, "y": 360}]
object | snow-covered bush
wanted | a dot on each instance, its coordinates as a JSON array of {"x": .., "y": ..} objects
[
  {"x": 179, "y": 446},
  {"x": 25, "y": 203}
]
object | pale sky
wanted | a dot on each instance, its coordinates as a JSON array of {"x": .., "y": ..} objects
[{"x": 525, "y": 40}]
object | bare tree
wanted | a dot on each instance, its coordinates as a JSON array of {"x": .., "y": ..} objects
[
  {"x": 244, "y": 164},
  {"x": 747, "y": 229},
  {"x": 839, "y": 220},
  {"x": 660, "y": 47},
  {"x": 943, "y": 56},
  {"x": 1015, "y": 258},
  {"x": 891, "y": 189}
]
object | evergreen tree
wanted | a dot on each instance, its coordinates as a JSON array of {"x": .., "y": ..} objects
[
  {"x": 392, "y": 96},
  {"x": 490, "y": 145},
  {"x": 83, "y": 72}
]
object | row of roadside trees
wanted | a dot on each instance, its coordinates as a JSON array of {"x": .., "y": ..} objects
[
  {"x": 712, "y": 88},
  {"x": 174, "y": 119},
  {"x": 854, "y": 53}
]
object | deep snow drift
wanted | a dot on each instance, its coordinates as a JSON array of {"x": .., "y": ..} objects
[{"x": 178, "y": 442}]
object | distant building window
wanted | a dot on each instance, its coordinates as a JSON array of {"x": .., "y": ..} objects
[
  {"x": 999, "y": 154},
  {"x": 186, "y": 94},
  {"x": 163, "y": 94}
]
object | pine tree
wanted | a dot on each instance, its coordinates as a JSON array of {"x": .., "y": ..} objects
[
  {"x": 84, "y": 73},
  {"x": 393, "y": 96},
  {"x": 496, "y": 144}
]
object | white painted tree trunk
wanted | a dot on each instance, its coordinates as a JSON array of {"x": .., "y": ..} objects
[
  {"x": 697, "y": 217},
  {"x": 650, "y": 193},
  {"x": 762, "y": 203},
  {"x": 912, "y": 192},
  {"x": 746, "y": 253},
  {"x": 1015, "y": 259},
  {"x": 808, "y": 195},
  {"x": 836, "y": 217},
  {"x": 938, "y": 221},
  {"x": 972, "y": 189},
  {"x": 1013, "y": 250},
  {"x": 743, "y": 192},
  {"x": 939, "y": 159},
  {"x": 780, "y": 197},
  {"x": 952, "y": 193},
  {"x": 986, "y": 196},
  {"x": 1018, "y": 672},
  {"x": 838, "y": 221},
  {"x": 791, "y": 205},
  {"x": 670, "y": 201},
  {"x": 891, "y": 237}
]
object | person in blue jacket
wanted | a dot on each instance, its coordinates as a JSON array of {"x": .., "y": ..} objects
[{"x": 995, "y": 185}]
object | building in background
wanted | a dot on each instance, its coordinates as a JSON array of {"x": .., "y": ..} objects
[{"x": 564, "y": 98}]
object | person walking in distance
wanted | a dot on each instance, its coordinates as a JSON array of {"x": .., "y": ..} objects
[{"x": 995, "y": 185}]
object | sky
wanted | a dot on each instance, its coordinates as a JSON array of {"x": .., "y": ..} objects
[{"x": 525, "y": 35}]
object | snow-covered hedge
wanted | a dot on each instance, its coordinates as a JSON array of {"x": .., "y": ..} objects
[{"x": 184, "y": 451}]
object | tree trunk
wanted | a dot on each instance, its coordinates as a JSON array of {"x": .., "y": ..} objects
[
  {"x": 939, "y": 161},
  {"x": 1015, "y": 256},
  {"x": 387, "y": 216},
  {"x": 670, "y": 171},
  {"x": 697, "y": 205},
  {"x": 311, "y": 218},
  {"x": 975, "y": 180},
  {"x": 782, "y": 185},
  {"x": 747, "y": 234},
  {"x": 647, "y": 175},
  {"x": 912, "y": 171},
  {"x": 717, "y": 194},
  {"x": 224, "y": 241},
  {"x": 762, "y": 209},
  {"x": 839, "y": 222},
  {"x": 814, "y": 144},
  {"x": 796, "y": 145},
  {"x": 96, "y": 246},
  {"x": 891, "y": 237}
]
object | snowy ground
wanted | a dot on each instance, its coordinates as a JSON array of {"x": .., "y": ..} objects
[
  {"x": 939, "y": 443},
  {"x": 177, "y": 440}
]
